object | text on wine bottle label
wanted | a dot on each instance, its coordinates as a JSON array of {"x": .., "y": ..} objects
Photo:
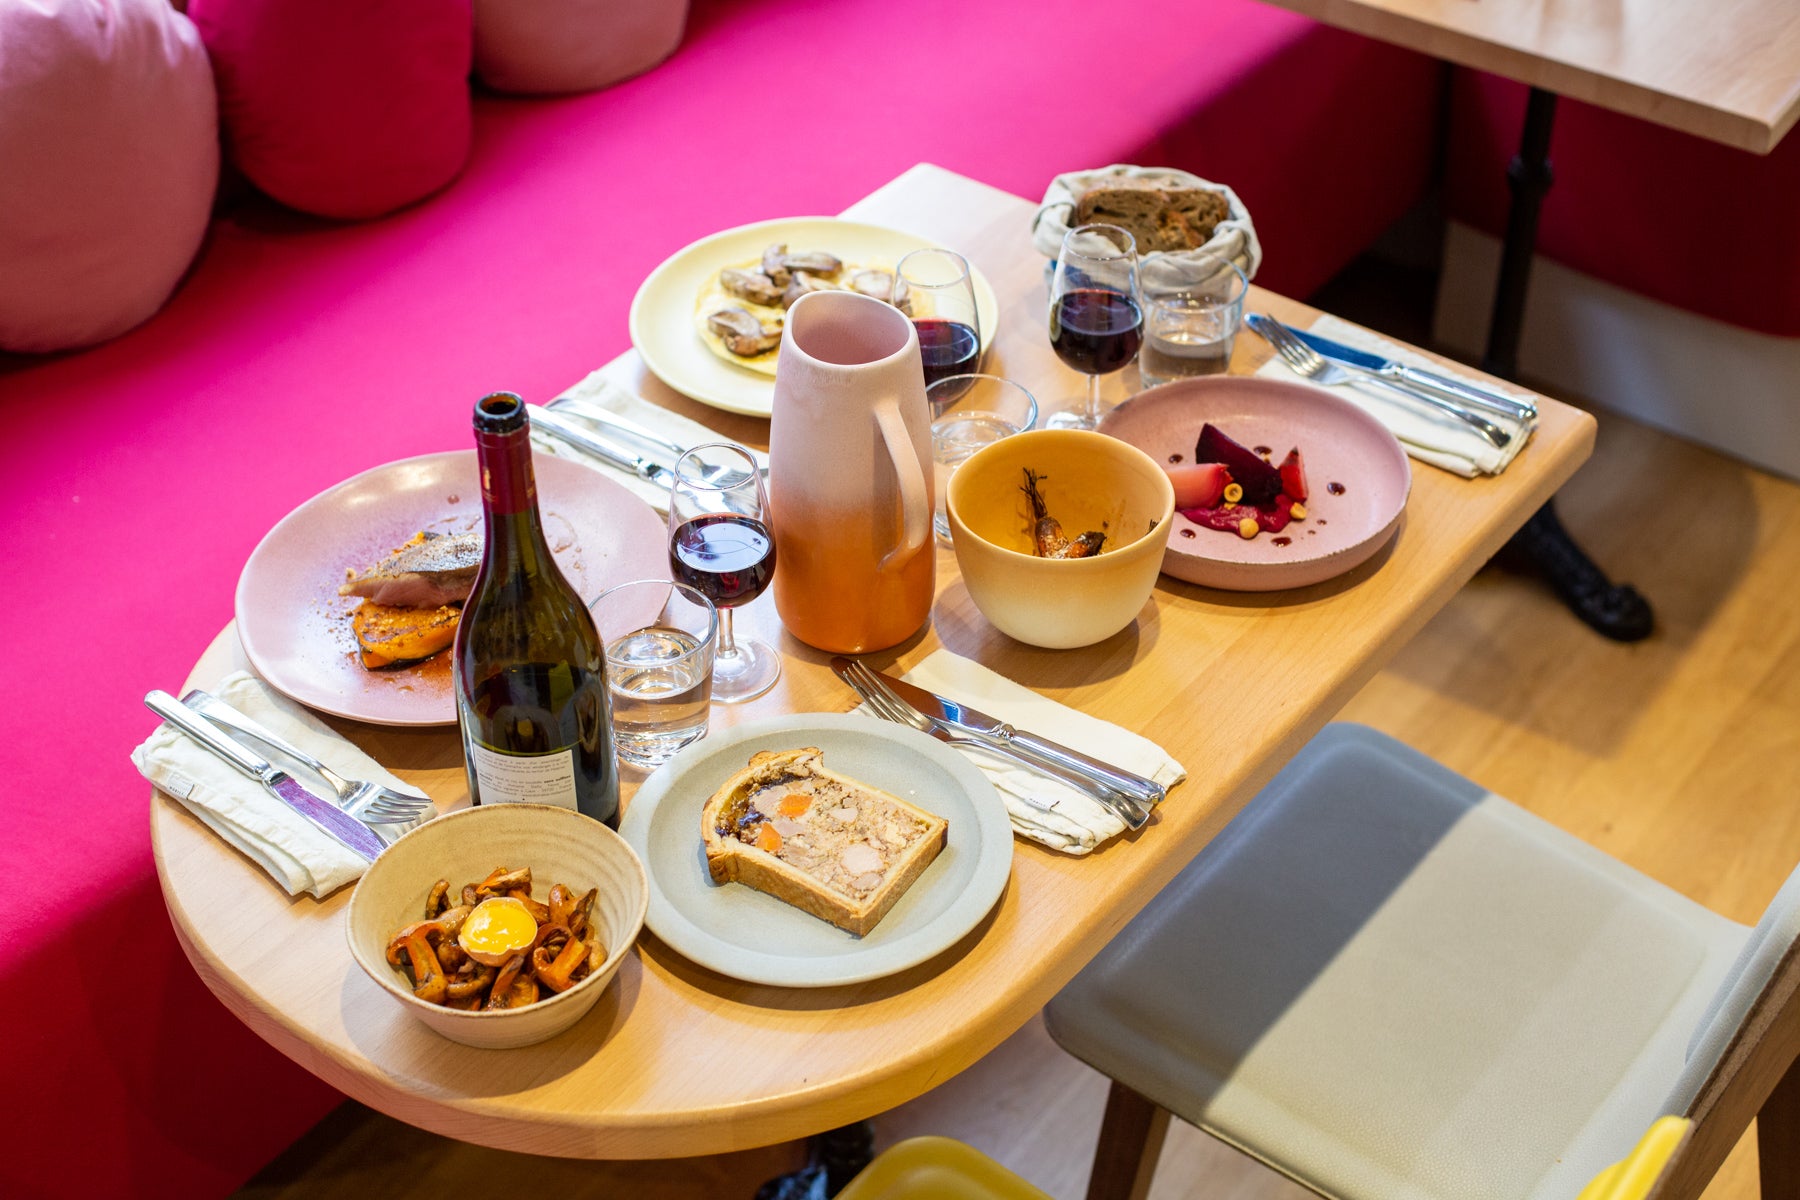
[{"x": 525, "y": 778}]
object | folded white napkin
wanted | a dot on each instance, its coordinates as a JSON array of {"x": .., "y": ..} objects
[
  {"x": 602, "y": 392},
  {"x": 234, "y": 806},
  {"x": 1429, "y": 436},
  {"x": 1043, "y": 809}
]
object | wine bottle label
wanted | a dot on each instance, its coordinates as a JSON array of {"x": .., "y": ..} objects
[{"x": 525, "y": 778}]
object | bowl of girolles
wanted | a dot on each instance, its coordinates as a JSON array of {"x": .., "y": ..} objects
[
  {"x": 1059, "y": 534},
  {"x": 500, "y": 925}
]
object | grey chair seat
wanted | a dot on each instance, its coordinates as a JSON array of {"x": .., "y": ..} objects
[{"x": 1384, "y": 981}]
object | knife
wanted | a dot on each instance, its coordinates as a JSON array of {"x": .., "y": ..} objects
[
  {"x": 1430, "y": 381},
  {"x": 342, "y": 828},
  {"x": 999, "y": 735},
  {"x": 582, "y": 439}
]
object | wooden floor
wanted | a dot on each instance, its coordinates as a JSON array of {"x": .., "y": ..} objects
[{"x": 1680, "y": 755}]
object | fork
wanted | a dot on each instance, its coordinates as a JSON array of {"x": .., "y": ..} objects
[
  {"x": 890, "y": 707},
  {"x": 366, "y": 801},
  {"x": 1306, "y": 361}
]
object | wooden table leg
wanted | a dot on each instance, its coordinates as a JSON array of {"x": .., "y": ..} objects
[{"x": 1616, "y": 611}]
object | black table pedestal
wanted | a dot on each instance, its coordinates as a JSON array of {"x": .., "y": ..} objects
[
  {"x": 837, "y": 1156},
  {"x": 1616, "y": 611}
]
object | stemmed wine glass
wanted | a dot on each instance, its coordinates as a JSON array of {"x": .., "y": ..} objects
[
  {"x": 1095, "y": 323},
  {"x": 721, "y": 545},
  {"x": 934, "y": 289}
]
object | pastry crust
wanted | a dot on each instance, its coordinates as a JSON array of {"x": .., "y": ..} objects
[{"x": 849, "y": 851}]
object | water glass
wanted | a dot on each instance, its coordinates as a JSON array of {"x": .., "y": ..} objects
[
  {"x": 1192, "y": 306},
  {"x": 967, "y": 413},
  {"x": 659, "y": 638}
]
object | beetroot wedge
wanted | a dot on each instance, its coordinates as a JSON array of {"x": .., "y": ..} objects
[{"x": 1259, "y": 479}]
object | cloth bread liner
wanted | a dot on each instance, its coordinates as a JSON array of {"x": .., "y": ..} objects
[
  {"x": 1043, "y": 809},
  {"x": 1233, "y": 238},
  {"x": 297, "y": 855}
]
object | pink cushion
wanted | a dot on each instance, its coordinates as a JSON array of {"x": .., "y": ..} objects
[
  {"x": 1692, "y": 223},
  {"x": 108, "y": 159},
  {"x": 545, "y": 46},
  {"x": 342, "y": 108}
]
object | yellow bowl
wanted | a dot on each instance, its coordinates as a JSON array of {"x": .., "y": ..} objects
[
  {"x": 560, "y": 846},
  {"x": 1089, "y": 481}
]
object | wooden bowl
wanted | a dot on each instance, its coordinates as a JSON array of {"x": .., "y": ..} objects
[
  {"x": 560, "y": 846},
  {"x": 1088, "y": 482}
]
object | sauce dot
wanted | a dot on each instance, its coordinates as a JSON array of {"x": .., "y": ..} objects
[
  {"x": 1174, "y": 458},
  {"x": 1336, "y": 489},
  {"x": 1187, "y": 533},
  {"x": 1265, "y": 451},
  {"x": 1283, "y": 541}
]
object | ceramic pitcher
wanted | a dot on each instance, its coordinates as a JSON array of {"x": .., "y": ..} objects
[{"x": 850, "y": 475}]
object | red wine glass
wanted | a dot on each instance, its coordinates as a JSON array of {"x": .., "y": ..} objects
[
  {"x": 720, "y": 544},
  {"x": 933, "y": 287},
  {"x": 1096, "y": 325}
]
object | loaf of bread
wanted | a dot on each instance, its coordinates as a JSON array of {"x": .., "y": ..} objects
[
  {"x": 825, "y": 843},
  {"x": 1161, "y": 217}
]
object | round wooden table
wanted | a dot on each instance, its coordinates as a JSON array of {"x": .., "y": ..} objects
[{"x": 676, "y": 1060}]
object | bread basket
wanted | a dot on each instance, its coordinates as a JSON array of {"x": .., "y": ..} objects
[{"x": 1234, "y": 238}]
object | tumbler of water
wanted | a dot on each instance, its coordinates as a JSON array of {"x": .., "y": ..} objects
[{"x": 660, "y": 638}]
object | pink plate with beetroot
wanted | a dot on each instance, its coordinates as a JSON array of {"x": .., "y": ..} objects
[
  {"x": 296, "y": 628},
  {"x": 1356, "y": 480}
]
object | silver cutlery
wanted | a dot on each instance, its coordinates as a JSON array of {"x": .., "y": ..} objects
[
  {"x": 575, "y": 434},
  {"x": 612, "y": 420},
  {"x": 1306, "y": 361},
  {"x": 1129, "y": 796},
  {"x": 362, "y": 799},
  {"x": 586, "y": 440},
  {"x": 362, "y": 840},
  {"x": 1395, "y": 371}
]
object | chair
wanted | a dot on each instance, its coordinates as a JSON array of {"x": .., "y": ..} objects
[
  {"x": 1387, "y": 983},
  {"x": 938, "y": 1168},
  {"x": 1635, "y": 1176}
]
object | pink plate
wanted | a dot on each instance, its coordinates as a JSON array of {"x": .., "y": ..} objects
[
  {"x": 296, "y": 628},
  {"x": 1341, "y": 445}
]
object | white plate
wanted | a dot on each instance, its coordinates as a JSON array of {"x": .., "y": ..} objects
[
  {"x": 738, "y": 931},
  {"x": 662, "y": 312}
]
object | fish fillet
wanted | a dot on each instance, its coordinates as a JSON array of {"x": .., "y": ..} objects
[{"x": 430, "y": 570}]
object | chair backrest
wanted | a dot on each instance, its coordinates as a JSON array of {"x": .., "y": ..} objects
[
  {"x": 1635, "y": 1176},
  {"x": 1748, "y": 985},
  {"x": 1745, "y": 1043}
]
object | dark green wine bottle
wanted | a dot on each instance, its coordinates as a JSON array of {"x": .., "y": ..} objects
[{"x": 531, "y": 694}]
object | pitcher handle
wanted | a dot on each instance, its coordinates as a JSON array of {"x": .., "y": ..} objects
[{"x": 915, "y": 503}]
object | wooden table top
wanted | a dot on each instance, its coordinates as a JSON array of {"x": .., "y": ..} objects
[
  {"x": 675, "y": 1060},
  {"x": 1726, "y": 72}
]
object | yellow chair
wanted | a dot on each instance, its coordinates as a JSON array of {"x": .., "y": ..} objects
[
  {"x": 1637, "y": 1174},
  {"x": 941, "y": 1168}
]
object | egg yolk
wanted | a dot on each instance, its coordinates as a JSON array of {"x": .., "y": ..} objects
[{"x": 498, "y": 928}]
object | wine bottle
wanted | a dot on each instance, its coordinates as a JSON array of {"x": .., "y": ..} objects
[{"x": 531, "y": 693}]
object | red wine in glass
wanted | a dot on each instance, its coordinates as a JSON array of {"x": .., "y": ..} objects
[
  {"x": 947, "y": 348},
  {"x": 1096, "y": 331},
  {"x": 728, "y": 557}
]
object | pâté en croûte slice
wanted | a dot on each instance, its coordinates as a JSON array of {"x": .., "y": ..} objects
[{"x": 825, "y": 843}]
